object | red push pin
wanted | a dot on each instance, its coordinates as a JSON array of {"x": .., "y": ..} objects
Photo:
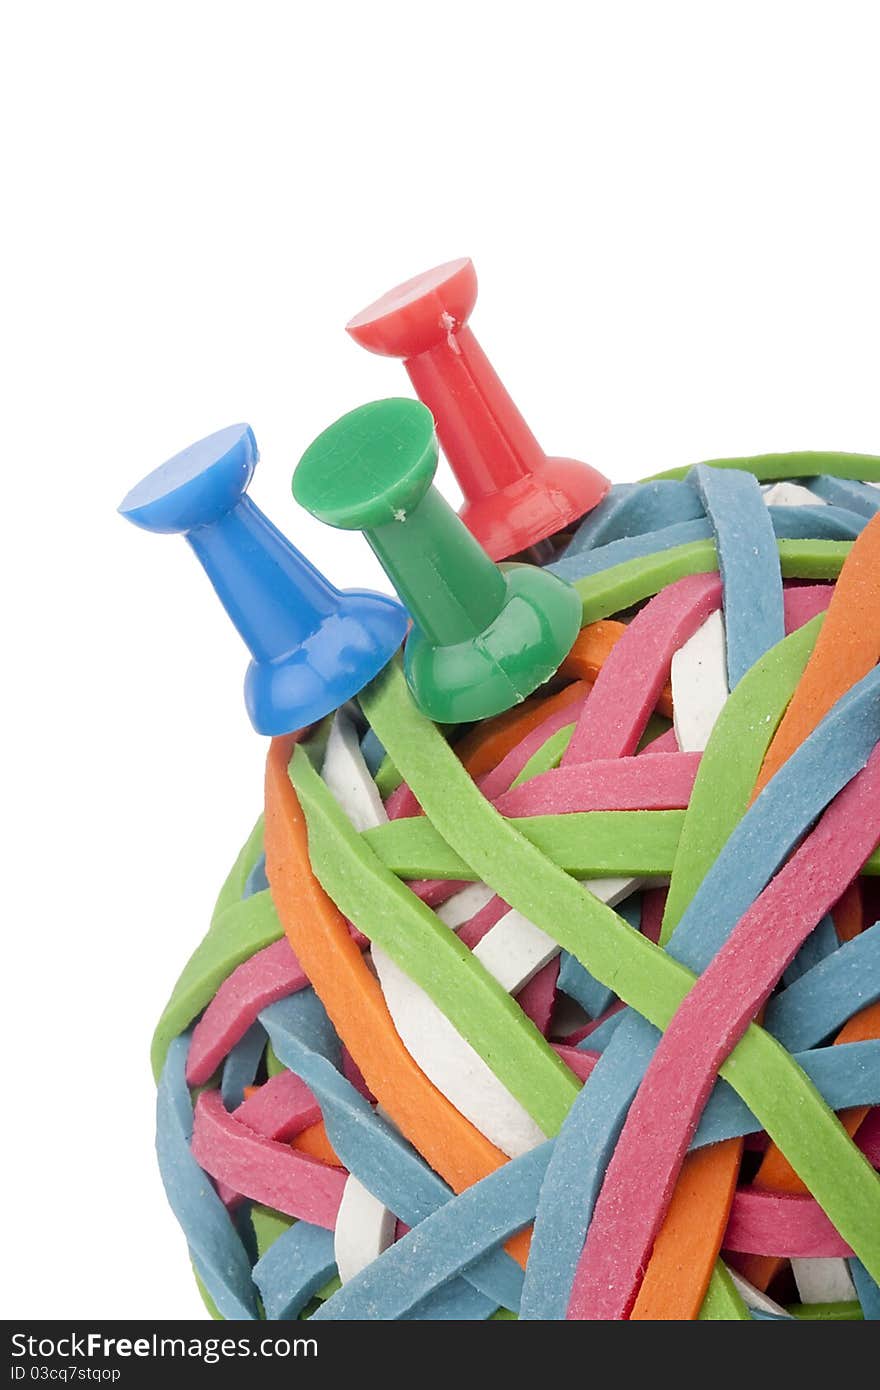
[{"x": 515, "y": 496}]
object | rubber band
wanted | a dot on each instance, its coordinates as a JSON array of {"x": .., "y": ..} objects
[
  {"x": 382, "y": 1160},
  {"x": 769, "y": 468},
  {"x": 591, "y": 650},
  {"x": 215, "y": 1246},
  {"x": 476, "y": 1006},
  {"x": 840, "y": 679},
  {"x": 699, "y": 684},
  {"x": 848, "y": 648},
  {"x": 729, "y": 993},
  {"x": 803, "y": 601},
  {"x": 821, "y": 942},
  {"x": 620, "y": 784},
  {"x": 235, "y": 934},
  {"x": 280, "y": 1109},
  {"x": 826, "y": 996},
  {"x": 589, "y": 845},
  {"x": 635, "y": 671},
  {"x": 293, "y": 1269},
  {"x": 857, "y": 497},
  {"x": 786, "y": 523},
  {"x": 782, "y": 1225},
  {"x": 628, "y": 509},
  {"x": 823, "y": 1280},
  {"x": 269, "y": 1172},
  {"x": 267, "y": 975},
  {"x": 444, "y": 1245},
  {"x": 529, "y": 883},
  {"x": 320, "y": 938},
  {"x": 626, "y": 584},
  {"x": 867, "y": 1290},
  {"x": 241, "y": 1066},
  {"x": 749, "y": 565},
  {"x": 557, "y": 1243}
]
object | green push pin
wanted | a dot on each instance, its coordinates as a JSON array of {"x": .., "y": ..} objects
[{"x": 483, "y": 638}]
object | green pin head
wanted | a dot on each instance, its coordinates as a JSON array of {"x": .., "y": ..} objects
[{"x": 483, "y": 638}]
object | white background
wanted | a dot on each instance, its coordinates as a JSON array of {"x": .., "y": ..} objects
[{"x": 673, "y": 209}]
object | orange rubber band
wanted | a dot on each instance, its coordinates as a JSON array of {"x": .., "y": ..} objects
[
  {"x": 690, "y": 1237},
  {"x": 848, "y": 647},
  {"x": 354, "y": 1001},
  {"x": 483, "y": 748}
]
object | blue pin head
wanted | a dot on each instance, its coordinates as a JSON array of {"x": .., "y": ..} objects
[{"x": 313, "y": 646}]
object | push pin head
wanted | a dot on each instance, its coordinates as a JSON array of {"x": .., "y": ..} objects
[
  {"x": 514, "y": 495},
  {"x": 483, "y": 639},
  {"x": 313, "y": 647}
]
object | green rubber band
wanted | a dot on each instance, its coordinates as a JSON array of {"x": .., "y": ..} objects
[
  {"x": 233, "y": 936},
  {"x": 237, "y": 877},
  {"x": 586, "y": 844},
  {"x": 273, "y": 1066},
  {"x": 770, "y": 468},
  {"x": 777, "y": 1091},
  {"x": 723, "y": 1301},
  {"x": 612, "y": 590},
  {"x": 386, "y": 911},
  {"x": 827, "y": 1312},
  {"x": 731, "y": 762},
  {"x": 548, "y": 756},
  {"x": 206, "y": 1298},
  {"x": 387, "y": 778},
  {"x": 268, "y": 1225}
]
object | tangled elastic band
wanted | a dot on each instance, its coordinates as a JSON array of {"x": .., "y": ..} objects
[{"x": 573, "y": 1013}]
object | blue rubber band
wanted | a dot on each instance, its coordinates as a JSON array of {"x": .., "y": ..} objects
[
  {"x": 241, "y": 1065},
  {"x": 373, "y": 752},
  {"x": 791, "y": 801},
  {"x": 822, "y": 1000},
  {"x": 788, "y": 523},
  {"x": 485, "y": 1215},
  {"x": 823, "y": 941},
  {"x": 575, "y": 979},
  {"x": 215, "y": 1246},
  {"x": 867, "y": 1290},
  {"x": 293, "y": 1269},
  {"x": 748, "y": 561},
  {"x": 445, "y": 1244},
  {"x": 630, "y": 509},
  {"x": 376, "y": 1153},
  {"x": 256, "y": 881},
  {"x": 846, "y": 492}
]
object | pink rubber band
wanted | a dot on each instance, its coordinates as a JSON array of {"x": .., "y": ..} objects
[
  {"x": 783, "y": 1224},
  {"x": 578, "y": 1035},
  {"x": 581, "y": 1063},
  {"x": 628, "y": 686},
  {"x": 268, "y": 976},
  {"x": 281, "y": 1109},
  {"x": 665, "y": 743},
  {"x": 537, "y": 998},
  {"x": 713, "y": 1017},
  {"x": 662, "y": 783},
  {"x": 653, "y": 907},
  {"x": 263, "y": 1169},
  {"x": 802, "y": 602}
]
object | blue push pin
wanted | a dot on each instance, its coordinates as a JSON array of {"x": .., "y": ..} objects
[{"x": 313, "y": 646}]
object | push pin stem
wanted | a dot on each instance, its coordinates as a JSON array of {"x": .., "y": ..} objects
[
  {"x": 483, "y": 638},
  {"x": 514, "y": 495},
  {"x": 313, "y": 647}
]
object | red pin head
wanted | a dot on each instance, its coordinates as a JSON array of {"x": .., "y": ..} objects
[{"x": 514, "y": 494}]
